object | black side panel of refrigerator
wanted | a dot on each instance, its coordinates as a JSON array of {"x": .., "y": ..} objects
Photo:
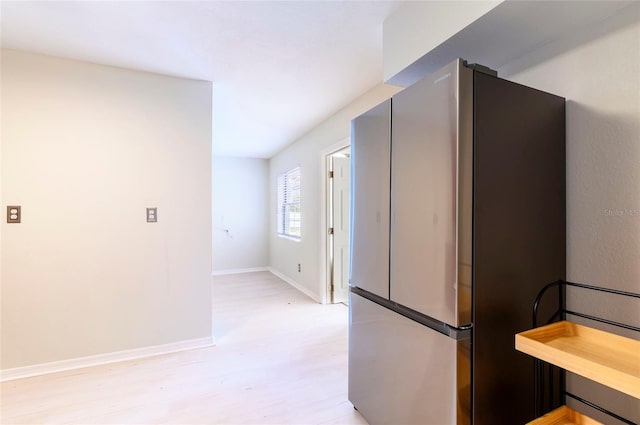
[{"x": 519, "y": 236}]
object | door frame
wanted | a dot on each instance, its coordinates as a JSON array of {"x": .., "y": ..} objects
[{"x": 325, "y": 266}]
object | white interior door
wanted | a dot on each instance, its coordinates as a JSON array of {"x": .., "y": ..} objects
[{"x": 340, "y": 210}]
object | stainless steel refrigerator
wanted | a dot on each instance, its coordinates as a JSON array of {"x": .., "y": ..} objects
[{"x": 458, "y": 219}]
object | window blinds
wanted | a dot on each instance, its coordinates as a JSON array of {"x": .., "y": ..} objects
[{"x": 288, "y": 214}]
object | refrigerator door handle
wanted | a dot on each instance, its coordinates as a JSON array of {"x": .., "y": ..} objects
[
  {"x": 457, "y": 333},
  {"x": 463, "y": 332}
]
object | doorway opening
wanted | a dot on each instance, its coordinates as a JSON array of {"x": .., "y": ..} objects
[{"x": 338, "y": 186}]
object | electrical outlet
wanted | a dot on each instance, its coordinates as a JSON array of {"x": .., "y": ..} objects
[
  {"x": 299, "y": 268},
  {"x": 13, "y": 213},
  {"x": 152, "y": 215}
]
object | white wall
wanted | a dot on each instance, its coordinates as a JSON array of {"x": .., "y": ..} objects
[
  {"x": 85, "y": 149},
  {"x": 598, "y": 71},
  {"x": 417, "y": 27},
  {"x": 240, "y": 213},
  {"x": 285, "y": 254}
]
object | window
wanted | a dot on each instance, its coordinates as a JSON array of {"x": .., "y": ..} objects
[{"x": 289, "y": 203}]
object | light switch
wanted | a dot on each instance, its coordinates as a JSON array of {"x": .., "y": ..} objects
[
  {"x": 13, "y": 214},
  {"x": 152, "y": 215}
]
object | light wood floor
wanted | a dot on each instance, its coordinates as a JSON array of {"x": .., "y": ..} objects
[{"x": 280, "y": 358}]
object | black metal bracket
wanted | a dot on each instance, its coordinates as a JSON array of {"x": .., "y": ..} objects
[
  {"x": 481, "y": 68},
  {"x": 560, "y": 314}
]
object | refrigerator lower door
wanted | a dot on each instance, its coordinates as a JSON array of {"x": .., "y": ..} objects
[{"x": 401, "y": 372}]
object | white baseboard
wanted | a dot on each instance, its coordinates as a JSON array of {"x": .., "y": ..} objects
[
  {"x": 236, "y": 271},
  {"x": 100, "y": 359},
  {"x": 295, "y": 285}
]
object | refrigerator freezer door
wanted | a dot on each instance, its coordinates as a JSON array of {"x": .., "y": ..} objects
[
  {"x": 431, "y": 196},
  {"x": 401, "y": 372},
  {"x": 370, "y": 156}
]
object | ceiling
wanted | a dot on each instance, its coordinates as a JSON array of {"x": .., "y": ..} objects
[{"x": 278, "y": 67}]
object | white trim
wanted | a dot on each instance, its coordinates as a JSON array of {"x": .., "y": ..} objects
[
  {"x": 338, "y": 146},
  {"x": 236, "y": 271},
  {"x": 295, "y": 285},
  {"x": 100, "y": 359},
  {"x": 291, "y": 238},
  {"x": 324, "y": 288}
]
